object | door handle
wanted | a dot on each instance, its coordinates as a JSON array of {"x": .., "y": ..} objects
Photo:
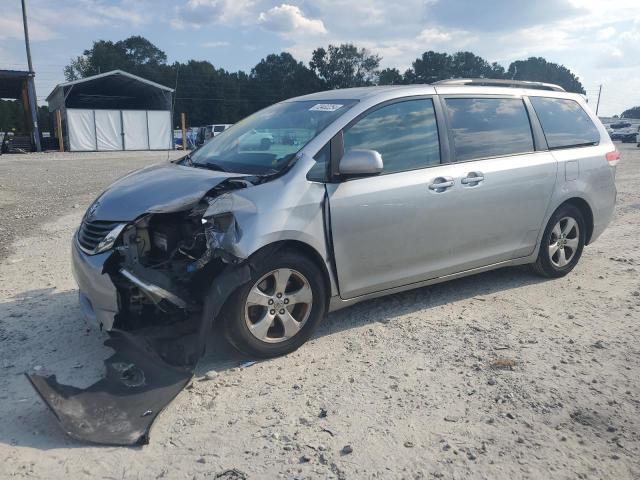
[
  {"x": 440, "y": 184},
  {"x": 473, "y": 178}
]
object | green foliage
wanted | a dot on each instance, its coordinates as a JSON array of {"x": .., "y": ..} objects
[
  {"x": 631, "y": 113},
  {"x": 433, "y": 66},
  {"x": 135, "y": 55},
  {"x": 390, "y": 76},
  {"x": 345, "y": 66},
  {"x": 12, "y": 117},
  {"x": 284, "y": 77},
  {"x": 537, "y": 69}
]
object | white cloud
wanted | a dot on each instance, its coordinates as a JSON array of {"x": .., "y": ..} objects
[
  {"x": 11, "y": 28},
  {"x": 204, "y": 12},
  {"x": 606, "y": 33},
  {"x": 288, "y": 20},
  {"x": 47, "y": 22},
  {"x": 434, "y": 35},
  {"x": 215, "y": 44},
  {"x": 128, "y": 11}
]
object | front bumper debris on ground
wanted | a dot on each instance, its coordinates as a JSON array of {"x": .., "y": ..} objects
[{"x": 149, "y": 368}]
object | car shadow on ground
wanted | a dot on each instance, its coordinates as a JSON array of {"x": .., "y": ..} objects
[
  {"x": 74, "y": 350},
  {"x": 221, "y": 356}
]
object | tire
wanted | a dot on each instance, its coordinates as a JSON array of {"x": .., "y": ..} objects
[
  {"x": 303, "y": 301},
  {"x": 558, "y": 255}
]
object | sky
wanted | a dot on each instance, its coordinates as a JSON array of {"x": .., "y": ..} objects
[{"x": 598, "y": 40}]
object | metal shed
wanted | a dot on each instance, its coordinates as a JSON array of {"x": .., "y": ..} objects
[{"x": 114, "y": 111}]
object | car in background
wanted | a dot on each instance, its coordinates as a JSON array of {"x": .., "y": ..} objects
[
  {"x": 630, "y": 135},
  {"x": 255, "y": 140},
  {"x": 208, "y": 132},
  {"x": 215, "y": 130},
  {"x": 618, "y": 129}
]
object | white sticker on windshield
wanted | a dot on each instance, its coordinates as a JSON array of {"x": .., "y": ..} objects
[{"x": 325, "y": 107}]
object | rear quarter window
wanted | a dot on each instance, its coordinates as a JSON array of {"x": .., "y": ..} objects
[
  {"x": 564, "y": 122},
  {"x": 489, "y": 127}
]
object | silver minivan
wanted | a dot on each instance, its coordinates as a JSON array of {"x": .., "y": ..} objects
[{"x": 348, "y": 195}]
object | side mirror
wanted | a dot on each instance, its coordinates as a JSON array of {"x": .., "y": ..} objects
[{"x": 361, "y": 162}]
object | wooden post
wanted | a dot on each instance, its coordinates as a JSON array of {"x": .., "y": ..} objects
[
  {"x": 184, "y": 130},
  {"x": 59, "y": 129}
]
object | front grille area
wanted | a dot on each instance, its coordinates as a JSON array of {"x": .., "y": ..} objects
[{"x": 91, "y": 234}]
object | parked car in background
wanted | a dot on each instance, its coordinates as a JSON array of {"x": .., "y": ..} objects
[
  {"x": 630, "y": 134},
  {"x": 394, "y": 188},
  {"x": 619, "y": 125},
  {"x": 215, "y": 130},
  {"x": 256, "y": 140},
  {"x": 619, "y": 129},
  {"x": 208, "y": 132}
]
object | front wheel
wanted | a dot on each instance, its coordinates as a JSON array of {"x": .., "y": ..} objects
[
  {"x": 562, "y": 243},
  {"x": 277, "y": 310}
]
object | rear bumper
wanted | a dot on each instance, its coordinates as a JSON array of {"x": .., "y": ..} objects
[
  {"x": 603, "y": 215},
  {"x": 97, "y": 294}
]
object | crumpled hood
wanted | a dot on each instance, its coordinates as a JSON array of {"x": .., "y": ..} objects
[{"x": 165, "y": 187}]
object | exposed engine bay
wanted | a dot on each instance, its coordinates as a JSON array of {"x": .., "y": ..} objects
[{"x": 165, "y": 262}]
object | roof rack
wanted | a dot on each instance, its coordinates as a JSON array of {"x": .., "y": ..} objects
[{"x": 490, "y": 82}]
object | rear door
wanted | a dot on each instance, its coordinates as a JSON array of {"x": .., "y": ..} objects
[{"x": 503, "y": 177}]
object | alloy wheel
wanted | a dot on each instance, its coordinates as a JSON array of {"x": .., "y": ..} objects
[
  {"x": 564, "y": 241},
  {"x": 278, "y": 305}
]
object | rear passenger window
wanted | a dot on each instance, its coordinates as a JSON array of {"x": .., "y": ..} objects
[
  {"x": 489, "y": 127},
  {"x": 404, "y": 133},
  {"x": 565, "y": 123}
]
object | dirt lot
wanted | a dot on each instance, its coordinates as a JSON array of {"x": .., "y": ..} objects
[{"x": 501, "y": 375}]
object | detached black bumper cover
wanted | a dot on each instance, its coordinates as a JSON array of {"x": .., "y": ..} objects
[
  {"x": 120, "y": 408},
  {"x": 149, "y": 368}
]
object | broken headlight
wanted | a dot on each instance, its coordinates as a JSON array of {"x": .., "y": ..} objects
[{"x": 110, "y": 239}]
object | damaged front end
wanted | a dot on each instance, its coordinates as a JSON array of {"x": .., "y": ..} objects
[
  {"x": 172, "y": 272},
  {"x": 163, "y": 263}
]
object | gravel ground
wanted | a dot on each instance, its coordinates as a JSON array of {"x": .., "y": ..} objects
[
  {"x": 500, "y": 375},
  {"x": 38, "y": 188}
]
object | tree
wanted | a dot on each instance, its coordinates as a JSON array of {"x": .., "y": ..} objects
[
  {"x": 345, "y": 66},
  {"x": 282, "y": 76},
  {"x": 135, "y": 55},
  {"x": 390, "y": 76},
  {"x": 469, "y": 65},
  {"x": 433, "y": 66},
  {"x": 142, "y": 52},
  {"x": 631, "y": 113},
  {"x": 429, "y": 68},
  {"x": 537, "y": 69}
]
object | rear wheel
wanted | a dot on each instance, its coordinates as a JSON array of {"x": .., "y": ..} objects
[
  {"x": 277, "y": 310},
  {"x": 562, "y": 243}
]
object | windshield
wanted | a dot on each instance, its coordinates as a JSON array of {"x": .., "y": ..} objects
[{"x": 265, "y": 142}]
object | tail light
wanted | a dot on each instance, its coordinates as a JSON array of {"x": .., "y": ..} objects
[{"x": 613, "y": 158}]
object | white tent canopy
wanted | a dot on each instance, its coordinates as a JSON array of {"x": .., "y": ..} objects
[{"x": 114, "y": 111}]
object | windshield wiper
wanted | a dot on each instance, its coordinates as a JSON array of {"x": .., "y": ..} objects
[{"x": 210, "y": 166}]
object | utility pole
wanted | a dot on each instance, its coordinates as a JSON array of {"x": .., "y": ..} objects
[
  {"x": 598, "y": 104},
  {"x": 26, "y": 35},
  {"x": 184, "y": 130},
  {"x": 31, "y": 86}
]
